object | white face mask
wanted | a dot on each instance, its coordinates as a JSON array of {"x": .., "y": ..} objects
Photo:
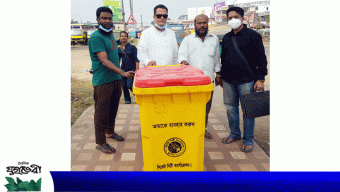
[
  {"x": 106, "y": 30},
  {"x": 159, "y": 27},
  {"x": 234, "y": 23}
]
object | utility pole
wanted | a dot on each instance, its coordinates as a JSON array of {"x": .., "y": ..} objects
[
  {"x": 131, "y": 10},
  {"x": 123, "y": 13},
  {"x": 131, "y": 7},
  {"x": 141, "y": 21}
]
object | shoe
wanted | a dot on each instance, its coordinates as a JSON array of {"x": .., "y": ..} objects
[
  {"x": 106, "y": 149},
  {"x": 243, "y": 149},
  {"x": 208, "y": 135},
  {"x": 128, "y": 102},
  {"x": 116, "y": 137},
  {"x": 233, "y": 139}
]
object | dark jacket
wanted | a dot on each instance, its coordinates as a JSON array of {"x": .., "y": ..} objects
[
  {"x": 128, "y": 63},
  {"x": 251, "y": 45}
]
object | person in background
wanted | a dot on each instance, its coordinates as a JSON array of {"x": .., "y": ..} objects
[
  {"x": 128, "y": 54},
  {"x": 106, "y": 80},
  {"x": 201, "y": 50},
  {"x": 244, "y": 67},
  {"x": 158, "y": 44}
]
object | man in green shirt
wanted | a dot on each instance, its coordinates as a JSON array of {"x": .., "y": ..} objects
[{"x": 106, "y": 80}]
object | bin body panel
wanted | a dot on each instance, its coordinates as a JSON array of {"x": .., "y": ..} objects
[
  {"x": 172, "y": 129},
  {"x": 172, "y": 117}
]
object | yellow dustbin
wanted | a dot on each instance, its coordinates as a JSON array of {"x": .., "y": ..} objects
[{"x": 172, "y": 102}]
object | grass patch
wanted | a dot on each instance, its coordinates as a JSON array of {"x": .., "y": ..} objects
[{"x": 82, "y": 97}]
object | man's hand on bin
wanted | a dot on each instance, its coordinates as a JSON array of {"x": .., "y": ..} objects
[
  {"x": 129, "y": 74},
  {"x": 185, "y": 63},
  {"x": 218, "y": 80},
  {"x": 152, "y": 63},
  {"x": 259, "y": 85}
]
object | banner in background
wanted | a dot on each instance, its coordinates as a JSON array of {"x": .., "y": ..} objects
[
  {"x": 218, "y": 6},
  {"x": 116, "y": 7}
]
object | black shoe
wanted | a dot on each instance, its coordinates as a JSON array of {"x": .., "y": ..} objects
[
  {"x": 117, "y": 137},
  {"x": 208, "y": 135},
  {"x": 127, "y": 102}
]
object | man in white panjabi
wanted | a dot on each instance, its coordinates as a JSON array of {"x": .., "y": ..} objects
[
  {"x": 158, "y": 44},
  {"x": 201, "y": 50}
]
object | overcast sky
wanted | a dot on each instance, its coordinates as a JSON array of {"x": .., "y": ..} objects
[{"x": 85, "y": 10}]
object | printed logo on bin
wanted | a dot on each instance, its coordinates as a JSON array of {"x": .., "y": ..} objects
[{"x": 174, "y": 147}]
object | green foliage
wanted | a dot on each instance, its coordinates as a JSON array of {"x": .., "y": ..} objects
[
  {"x": 11, "y": 187},
  {"x": 23, "y": 185},
  {"x": 18, "y": 180},
  {"x": 268, "y": 19},
  {"x": 11, "y": 181},
  {"x": 258, "y": 26},
  {"x": 38, "y": 184}
]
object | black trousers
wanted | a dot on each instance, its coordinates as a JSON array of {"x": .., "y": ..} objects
[{"x": 106, "y": 99}]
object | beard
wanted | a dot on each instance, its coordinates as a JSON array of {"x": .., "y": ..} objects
[
  {"x": 198, "y": 33},
  {"x": 106, "y": 27}
]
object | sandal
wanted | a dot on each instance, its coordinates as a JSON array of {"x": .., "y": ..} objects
[
  {"x": 208, "y": 135},
  {"x": 116, "y": 137},
  {"x": 225, "y": 140},
  {"x": 243, "y": 149},
  {"x": 106, "y": 148}
]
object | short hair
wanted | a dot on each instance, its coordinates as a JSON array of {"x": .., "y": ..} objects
[
  {"x": 201, "y": 15},
  {"x": 159, "y": 6},
  {"x": 124, "y": 32},
  {"x": 238, "y": 10},
  {"x": 103, "y": 9}
]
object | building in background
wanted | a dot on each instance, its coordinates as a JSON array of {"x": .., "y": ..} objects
[
  {"x": 220, "y": 12},
  {"x": 193, "y": 12},
  {"x": 182, "y": 17},
  {"x": 256, "y": 12}
]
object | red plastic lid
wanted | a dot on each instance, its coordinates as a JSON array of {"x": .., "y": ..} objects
[{"x": 164, "y": 76}]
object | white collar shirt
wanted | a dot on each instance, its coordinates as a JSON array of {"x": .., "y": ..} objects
[
  {"x": 157, "y": 46},
  {"x": 204, "y": 55}
]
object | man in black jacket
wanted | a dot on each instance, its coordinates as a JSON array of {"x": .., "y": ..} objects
[{"x": 244, "y": 66}]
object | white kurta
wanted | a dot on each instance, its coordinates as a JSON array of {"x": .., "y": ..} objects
[
  {"x": 157, "y": 46},
  {"x": 204, "y": 55}
]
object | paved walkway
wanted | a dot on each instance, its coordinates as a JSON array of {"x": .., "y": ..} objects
[{"x": 129, "y": 156}]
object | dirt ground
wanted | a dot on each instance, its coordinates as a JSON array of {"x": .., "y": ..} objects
[{"x": 81, "y": 61}]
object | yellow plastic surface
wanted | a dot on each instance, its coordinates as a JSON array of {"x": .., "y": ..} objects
[
  {"x": 76, "y": 37},
  {"x": 173, "y": 126}
]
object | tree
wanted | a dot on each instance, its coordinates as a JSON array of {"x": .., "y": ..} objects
[
  {"x": 73, "y": 21},
  {"x": 258, "y": 26},
  {"x": 268, "y": 19}
]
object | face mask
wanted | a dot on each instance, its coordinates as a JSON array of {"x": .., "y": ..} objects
[
  {"x": 106, "y": 30},
  {"x": 159, "y": 27},
  {"x": 234, "y": 23}
]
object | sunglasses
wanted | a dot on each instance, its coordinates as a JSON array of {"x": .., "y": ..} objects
[{"x": 160, "y": 15}]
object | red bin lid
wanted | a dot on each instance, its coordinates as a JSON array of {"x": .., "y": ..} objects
[{"x": 164, "y": 76}]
